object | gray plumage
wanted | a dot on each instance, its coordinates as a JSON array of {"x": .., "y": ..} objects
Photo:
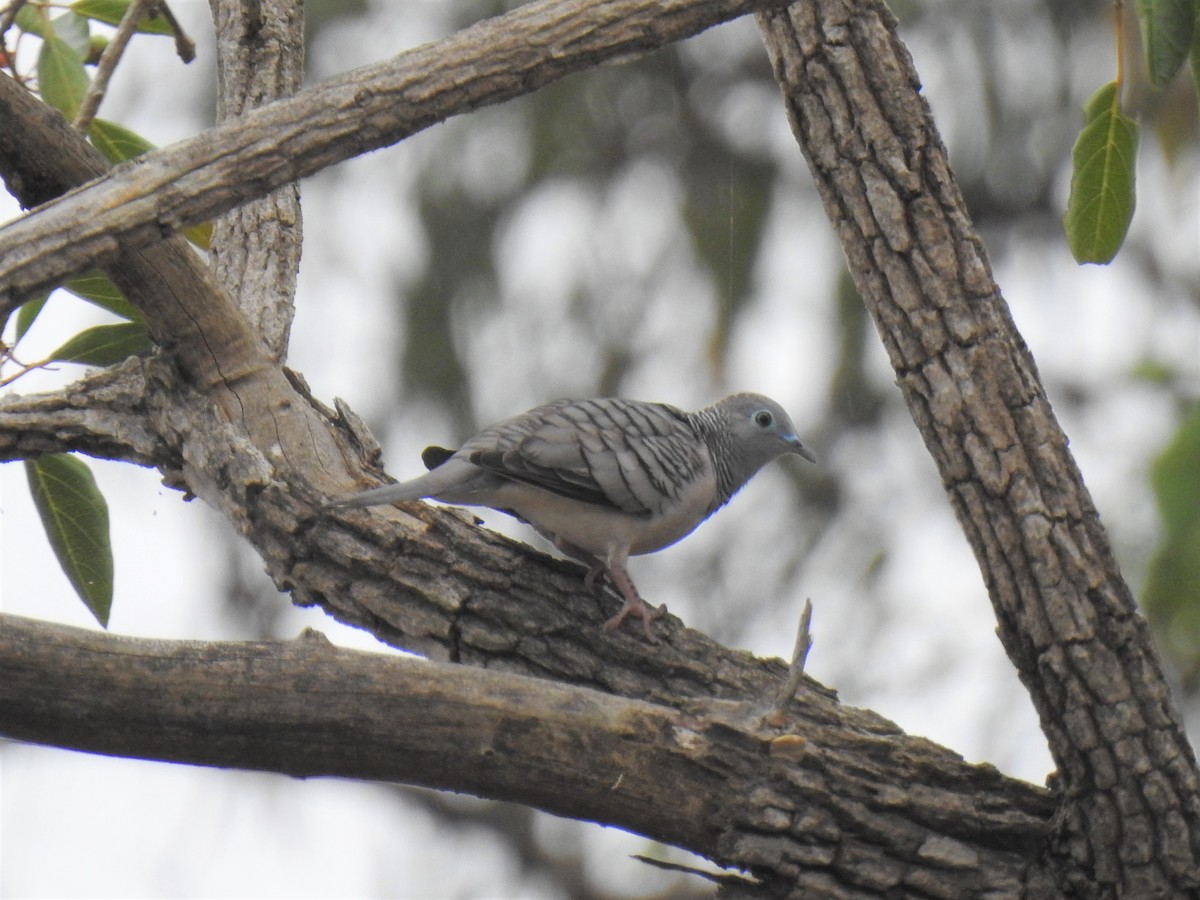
[{"x": 607, "y": 479}]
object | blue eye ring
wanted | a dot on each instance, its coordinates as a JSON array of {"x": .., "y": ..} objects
[{"x": 764, "y": 419}]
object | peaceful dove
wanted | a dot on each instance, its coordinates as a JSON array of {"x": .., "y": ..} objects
[{"x": 606, "y": 479}]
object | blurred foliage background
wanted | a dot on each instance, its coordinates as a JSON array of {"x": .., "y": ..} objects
[{"x": 649, "y": 229}]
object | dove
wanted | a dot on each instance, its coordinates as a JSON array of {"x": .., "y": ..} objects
[{"x": 606, "y": 479}]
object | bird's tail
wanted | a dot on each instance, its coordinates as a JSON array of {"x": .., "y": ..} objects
[
  {"x": 389, "y": 493},
  {"x": 416, "y": 489}
]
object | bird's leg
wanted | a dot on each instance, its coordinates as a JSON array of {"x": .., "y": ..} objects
[
  {"x": 634, "y": 604},
  {"x": 595, "y": 566}
]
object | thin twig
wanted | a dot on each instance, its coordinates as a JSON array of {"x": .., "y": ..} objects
[
  {"x": 184, "y": 45},
  {"x": 26, "y": 368},
  {"x": 9, "y": 15},
  {"x": 108, "y": 64},
  {"x": 7, "y": 18}
]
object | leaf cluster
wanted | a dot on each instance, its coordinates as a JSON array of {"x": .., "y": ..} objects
[
  {"x": 1104, "y": 158},
  {"x": 73, "y": 511}
]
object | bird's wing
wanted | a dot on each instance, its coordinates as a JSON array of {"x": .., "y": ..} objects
[{"x": 627, "y": 455}]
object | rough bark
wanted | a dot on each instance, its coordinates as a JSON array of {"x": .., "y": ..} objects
[
  {"x": 1130, "y": 821},
  {"x": 103, "y": 415},
  {"x": 256, "y": 246},
  {"x": 844, "y": 804},
  {"x": 803, "y": 806}
]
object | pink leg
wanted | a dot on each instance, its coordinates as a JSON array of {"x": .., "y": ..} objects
[
  {"x": 634, "y": 604},
  {"x": 615, "y": 570}
]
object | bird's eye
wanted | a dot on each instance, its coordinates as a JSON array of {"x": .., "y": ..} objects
[{"x": 764, "y": 419}]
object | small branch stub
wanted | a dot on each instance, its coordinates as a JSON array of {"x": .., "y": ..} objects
[{"x": 789, "y": 689}]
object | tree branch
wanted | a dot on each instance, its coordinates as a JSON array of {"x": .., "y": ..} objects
[
  {"x": 187, "y": 313},
  {"x": 1067, "y": 619},
  {"x": 701, "y": 774},
  {"x": 363, "y": 110},
  {"x": 134, "y": 13},
  {"x": 196, "y": 323},
  {"x": 256, "y": 247},
  {"x": 102, "y": 415}
]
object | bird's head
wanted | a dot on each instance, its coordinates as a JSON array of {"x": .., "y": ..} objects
[
  {"x": 762, "y": 429},
  {"x": 744, "y": 432}
]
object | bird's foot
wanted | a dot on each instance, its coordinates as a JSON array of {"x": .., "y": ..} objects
[
  {"x": 638, "y": 609},
  {"x": 633, "y": 606}
]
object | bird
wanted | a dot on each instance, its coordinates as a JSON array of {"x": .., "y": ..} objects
[{"x": 605, "y": 479}]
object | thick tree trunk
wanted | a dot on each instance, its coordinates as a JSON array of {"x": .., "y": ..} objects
[{"x": 1130, "y": 820}]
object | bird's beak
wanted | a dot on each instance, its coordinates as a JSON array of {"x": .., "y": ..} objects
[{"x": 800, "y": 450}]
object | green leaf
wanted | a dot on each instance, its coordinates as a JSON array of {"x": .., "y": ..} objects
[
  {"x": 75, "y": 517},
  {"x": 28, "y": 313},
  {"x": 1167, "y": 30},
  {"x": 1102, "y": 189},
  {"x": 117, "y": 142},
  {"x": 74, "y": 30},
  {"x": 62, "y": 80},
  {"x": 1172, "y": 593},
  {"x": 29, "y": 20},
  {"x": 105, "y": 345},
  {"x": 111, "y": 12},
  {"x": 95, "y": 287}
]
